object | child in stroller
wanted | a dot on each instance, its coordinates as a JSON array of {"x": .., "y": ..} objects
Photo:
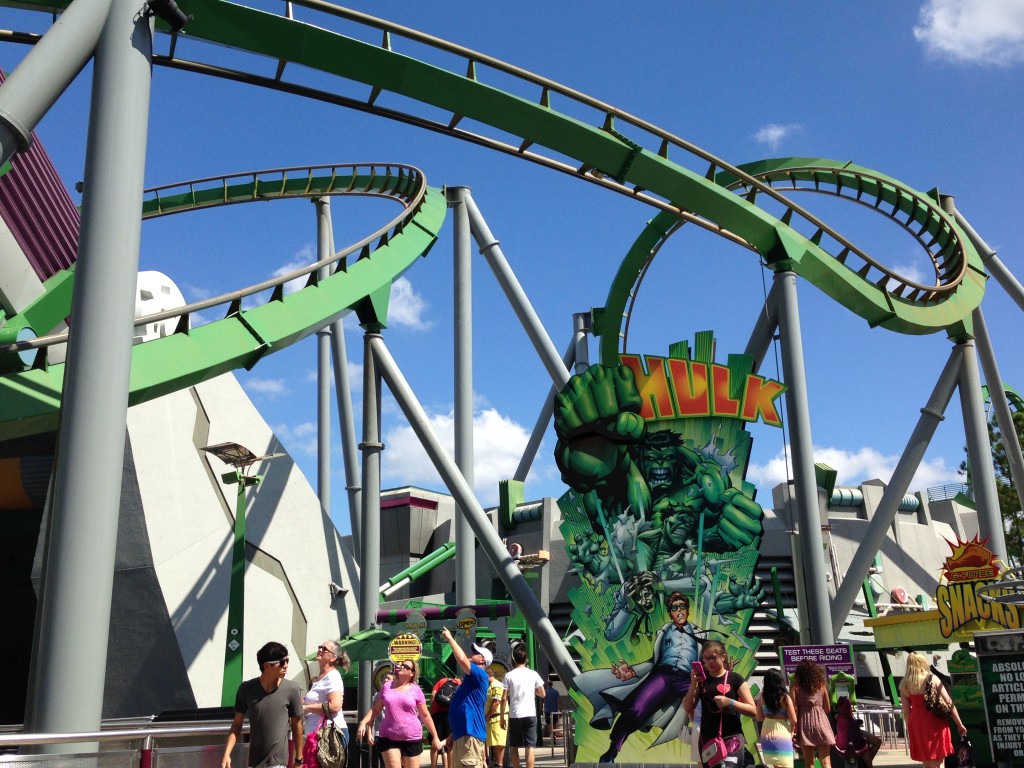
[{"x": 853, "y": 743}]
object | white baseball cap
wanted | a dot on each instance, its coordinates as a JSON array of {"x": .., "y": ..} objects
[{"x": 488, "y": 656}]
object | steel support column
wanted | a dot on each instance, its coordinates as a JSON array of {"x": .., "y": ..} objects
[
  {"x": 79, "y": 557},
  {"x": 346, "y": 418},
  {"x": 816, "y": 613},
  {"x": 910, "y": 460},
  {"x": 47, "y": 70},
  {"x": 465, "y": 560},
  {"x": 997, "y": 394},
  {"x": 491, "y": 250},
  {"x": 581, "y": 326},
  {"x": 486, "y": 536},
  {"x": 369, "y": 574},
  {"x": 993, "y": 264},
  {"x": 323, "y": 366},
  {"x": 764, "y": 329},
  {"x": 540, "y": 427},
  {"x": 979, "y": 452}
]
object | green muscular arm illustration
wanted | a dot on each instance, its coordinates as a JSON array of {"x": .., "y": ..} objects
[{"x": 597, "y": 421}]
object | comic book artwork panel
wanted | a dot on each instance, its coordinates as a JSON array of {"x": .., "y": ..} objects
[{"x": 664, "y": 532}]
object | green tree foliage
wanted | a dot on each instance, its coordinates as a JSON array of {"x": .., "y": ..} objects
[{"x": 1009, "y": 503}]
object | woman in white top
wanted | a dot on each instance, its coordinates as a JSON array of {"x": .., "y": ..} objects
[{"x": 325, "y": 698}]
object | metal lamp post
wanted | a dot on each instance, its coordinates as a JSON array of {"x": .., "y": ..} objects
[{"x": 241, "y": 458}]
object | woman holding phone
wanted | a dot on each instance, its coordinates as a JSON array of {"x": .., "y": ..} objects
[{"x": 724, "y": 697}]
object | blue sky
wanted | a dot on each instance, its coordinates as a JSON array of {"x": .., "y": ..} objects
[{"x": 931, "y": 93}]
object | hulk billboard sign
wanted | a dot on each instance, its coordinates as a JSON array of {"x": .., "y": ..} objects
[{"x": 663, "y": 530}]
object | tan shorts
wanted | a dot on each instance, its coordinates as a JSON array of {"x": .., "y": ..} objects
[{"x": 468, "y": 752}]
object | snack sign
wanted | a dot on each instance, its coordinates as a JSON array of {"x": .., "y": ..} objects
[{"x": 971, "y": 566}]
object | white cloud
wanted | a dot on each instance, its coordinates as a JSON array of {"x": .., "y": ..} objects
[
  {"x": 304, "y": 257},
  {"x": 407, "y": 306},
  {"x": 355, "y": 379},
  {"x": 973, "y": 31},
  {"x": 300, "y": 439},
  {"x": 853, "y": 468},
  {"x": 773, "y": 134},
  {"x": 498, "y": 444},
  {"x": 915, "y": 273},
  {"x": 261, "y": 386},
  {"x": 195, "y": 293}
]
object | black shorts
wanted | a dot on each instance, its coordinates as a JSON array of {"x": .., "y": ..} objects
[
  {"x": 441, "y": 724},
  {"x": 522, "y": 731},
  {"x": 406, "y": 748}
]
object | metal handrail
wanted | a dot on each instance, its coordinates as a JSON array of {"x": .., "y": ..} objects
[
  {"x": 115, "y": 734},
  {"x": 151, "y": 730}
]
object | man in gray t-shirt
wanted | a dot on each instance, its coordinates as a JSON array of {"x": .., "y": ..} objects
[{"x": 272, "y": 705}]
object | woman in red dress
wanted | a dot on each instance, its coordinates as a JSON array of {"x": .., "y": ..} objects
[{"x": 928, "y": 734}]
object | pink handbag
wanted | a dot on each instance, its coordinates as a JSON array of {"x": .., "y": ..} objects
[{"x": 713, "y": 752}]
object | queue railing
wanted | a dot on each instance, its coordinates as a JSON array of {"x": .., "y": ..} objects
[
  {"x": 887, "y": 723},
  {"x": 561, "y": 738}
]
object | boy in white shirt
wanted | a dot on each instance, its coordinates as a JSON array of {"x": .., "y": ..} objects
[{"x": 520, "y": 682}]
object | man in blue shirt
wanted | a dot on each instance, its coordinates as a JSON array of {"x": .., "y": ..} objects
[
  {"x": 550, "y": 707},
  {"x": 468, "y": 737}
]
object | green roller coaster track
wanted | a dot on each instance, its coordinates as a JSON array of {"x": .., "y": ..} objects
[
  {"x": 29, "y": 399},
  {"x": 611, "y": 149}
]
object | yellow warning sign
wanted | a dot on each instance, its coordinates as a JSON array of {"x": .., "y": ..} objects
[{"x": 405, "y": 647}]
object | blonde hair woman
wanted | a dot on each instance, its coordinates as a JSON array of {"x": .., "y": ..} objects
[{"x": 928, "y": 733}]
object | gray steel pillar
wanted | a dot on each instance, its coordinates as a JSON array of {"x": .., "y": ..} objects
[
  {"x": 78, "y": 570},
  {"x": 369, "y": 572},
  {"x": 910, "y": 460},
  {"x": 346, "y": 420},
  {"x": 323, "y": 364},
  {"x": 503, "y": 564},
  {"x": 540, "y": 427},
  {"x": 996, "y": 267},
  {"x": 516, "y": 296},
  {"x": 979, "y": 452},
  {"x": 580, "y": 329},
  {"x": 806, "y": 486},
  {"x": 764, "y": 329},
  {"x": 47, "y": 70},
  {"x": 465, "y": 560},
  {"x": 997, "y": 394}
]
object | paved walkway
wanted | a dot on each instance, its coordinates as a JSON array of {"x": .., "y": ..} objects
[
  {"x": 886, "y": 758},
  {"x": 546, "y": 757}
]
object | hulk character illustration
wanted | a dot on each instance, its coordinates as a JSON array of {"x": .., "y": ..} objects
[
  {"x": 653, "y": 498},
  {"x": 663, "y": 531}
]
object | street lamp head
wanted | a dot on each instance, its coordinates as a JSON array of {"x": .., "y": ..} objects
[{"x": 238, "y": 456}]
